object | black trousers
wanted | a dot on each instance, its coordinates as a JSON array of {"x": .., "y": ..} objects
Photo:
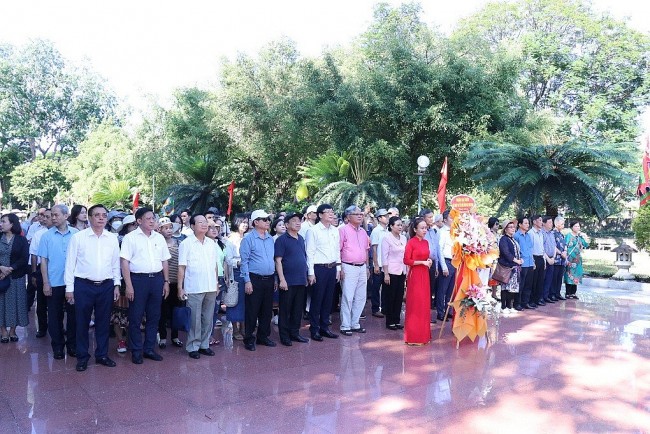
[
  {"x": 322, "y": 293},
  {"x": 41, "y": 304},
  {"x": 538, "y": 279},
  {"x": 57, "y": 306},
  {"x": 433, "y": 283},
  {"x": 147, "y": 299},
  {"x": 259, "y": 308},
  {"x": 291, "y": 302},
  {"x": 89, "y": 297},
  {"x": 570, "y": 289},
  {"x": 166, "y": 308},
  {"x": 525, "y": 286},
  {"x": 558, "y": 273},
  {"x": 392, "y": 297}
]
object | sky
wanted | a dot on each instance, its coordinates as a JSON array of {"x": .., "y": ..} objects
[{"x": 145, "y": 49}]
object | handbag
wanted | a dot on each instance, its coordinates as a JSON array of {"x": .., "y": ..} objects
[
  {"x": 231, "y": 296},
  {"x": 502, "y": 273},
  {"x": 5, "y": 284},
  {"x": 182, "y": 318}
]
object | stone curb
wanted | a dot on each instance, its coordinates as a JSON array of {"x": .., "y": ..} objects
[{"x": 616, "y": 284}]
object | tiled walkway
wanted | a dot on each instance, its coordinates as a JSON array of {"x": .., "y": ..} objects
[{"x": 575, "y": 366}]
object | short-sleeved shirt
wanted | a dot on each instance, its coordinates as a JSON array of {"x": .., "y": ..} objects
[
  {"x": 53, "y": 247},
  {"x": 199, "y": 259},
  {"x": 144, "y": 253},
  {"x": 376, "y": 237},
  {"x": 294, "y": 258}
]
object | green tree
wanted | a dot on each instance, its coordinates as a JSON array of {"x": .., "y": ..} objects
[
  {"x": 106, "y": 155},
  {"x": 543, "y": 177},
  {"x": 39, "y": 181},
  {"x": 641, "y": 228},
  {"x": 47, "y": 104},
  {"x": 589, "y": 70}
]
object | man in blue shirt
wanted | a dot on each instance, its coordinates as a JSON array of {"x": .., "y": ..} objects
[
  {"x": 549, "y": 258},
  {"x": 526, "y": 245},
  {"x": 539, "y": 267},
  {"x": 257, "y": 251},
  {"x": 291, "y": 266},
  {"x": 52, "y": 249}
]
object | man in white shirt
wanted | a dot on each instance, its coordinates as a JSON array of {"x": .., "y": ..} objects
[
  {"x": 447, "y": 278},
  {"x": 198, "y": 278},
  {"x": 144, "y": 258},
  {"x": 324, "y": 270},
  {"x": 36, "y": 224},
  {"x": 36, "y": 279},
  {"x": 92, "y": 282},
  {"x": 309, "y": 221},
  {"x": 376, "y": 237}
]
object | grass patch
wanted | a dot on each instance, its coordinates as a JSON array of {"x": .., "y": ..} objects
[{"x": 598, "y": 267}]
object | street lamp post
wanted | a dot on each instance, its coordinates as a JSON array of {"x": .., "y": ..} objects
[{"x": 423, "y": 163}]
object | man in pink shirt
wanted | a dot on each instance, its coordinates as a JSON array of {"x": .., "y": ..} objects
[{"x": 354, "y": 270}]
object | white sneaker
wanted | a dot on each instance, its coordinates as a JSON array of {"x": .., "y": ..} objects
[
  {"x": 218, "y": 323},
  {"x": 275, "y": 319}
]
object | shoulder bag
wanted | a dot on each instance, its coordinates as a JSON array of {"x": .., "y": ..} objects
[{"x": 231, "y": 295}]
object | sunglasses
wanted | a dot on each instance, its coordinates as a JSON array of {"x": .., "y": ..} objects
[{"x": 263, "y": 219}]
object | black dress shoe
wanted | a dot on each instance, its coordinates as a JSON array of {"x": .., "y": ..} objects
[
  {"x": 153, "y": 356},
  {"x": 359, "y": 330},
  {"x": 105, "y": 361},
  {"x": 138, "y": 360},
  {"x": 346, "y": 332},
  {"x": 250, "y": 346},
  {"x": 549, "y": 300},
  {"x": 391, "y": 327},
  {"x": 72, "y": 353},
  {"x": 328, "y": 334},
  {"x": 59, "y": 355},
  {"x": 266, "y": 342},
  {"x": 399, "y": 326},
  {"x": 378, "y": 314},
  {"x": 206, "y": 351},
  {"x": 286, "y": 342},
  {"x": 541, "y": 303},
  {"x": 316, "y": 337},
  {"x": 530, "y": 306},
  {"x": 194, "y": 354},
  {"x": 299, "y": 338},
  {"x": 82, "y": 365},
  {"x": 41, "y": 333},
  {"x": 553, "y": 299},
  {"x": 518, "y": 308},
  {"x": 559, "y": 297}
]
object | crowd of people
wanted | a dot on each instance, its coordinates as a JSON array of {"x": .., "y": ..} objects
[{"x": 125, "y": 274}]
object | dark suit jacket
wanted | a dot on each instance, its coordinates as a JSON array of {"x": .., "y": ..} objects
[{"x": 19, "y": 256}]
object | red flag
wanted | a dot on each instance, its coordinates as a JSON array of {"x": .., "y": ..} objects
[
  {"x": 442, "y": 188},
  {"x": 136, "y": 200},
  {"x": 231, "y": 190}
]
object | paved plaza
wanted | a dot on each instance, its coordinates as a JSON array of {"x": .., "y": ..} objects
[{"x": 574, "y": 366}]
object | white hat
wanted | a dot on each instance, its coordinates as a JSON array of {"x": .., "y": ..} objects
[
  {"x": 259, "y": 214},
  {"x": 311, "y": 208},
  {"x": 164, "y": 221},
  {"x": 129, "y": 219}
]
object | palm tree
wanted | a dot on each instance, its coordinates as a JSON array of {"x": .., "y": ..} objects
[
  {"x": 201, "y": 190},
  {"x": 346, "y": 179},
  {"x": 535, "y": 177},
  {"x": 114, "y": 195}
]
